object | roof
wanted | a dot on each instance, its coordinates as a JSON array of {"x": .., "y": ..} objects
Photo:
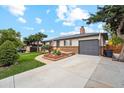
[{"x": 73, "y": 36}]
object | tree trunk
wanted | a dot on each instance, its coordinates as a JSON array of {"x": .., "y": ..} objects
[
  {"x": 120, "y": 27},
  {"x": 37, "y": 46},
  {"x": 121, "y": 57}
]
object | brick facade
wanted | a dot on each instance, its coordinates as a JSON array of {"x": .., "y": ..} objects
[{"x": 73, "y": 49}]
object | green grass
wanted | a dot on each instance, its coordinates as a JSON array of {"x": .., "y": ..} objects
[{"x": 25, "y": 62}]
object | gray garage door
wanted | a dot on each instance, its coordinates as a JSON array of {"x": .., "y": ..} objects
[{"x": 89, "y": 47}]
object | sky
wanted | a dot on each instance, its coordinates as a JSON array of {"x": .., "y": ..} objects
[{"x": 52, "y": 20}]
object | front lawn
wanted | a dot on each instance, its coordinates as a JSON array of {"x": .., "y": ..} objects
[{"x": 25, "y": 62}]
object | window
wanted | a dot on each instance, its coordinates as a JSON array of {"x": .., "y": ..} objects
[{"x": 67, "y": 42}]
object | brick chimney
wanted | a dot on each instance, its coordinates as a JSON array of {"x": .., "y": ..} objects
[{"x": 82, "y": 30}]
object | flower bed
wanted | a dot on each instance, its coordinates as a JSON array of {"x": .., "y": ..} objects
[{"x": 53, "y": 57}]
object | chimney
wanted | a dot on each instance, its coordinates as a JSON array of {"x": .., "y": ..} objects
[{"x": 82, "y": 30}]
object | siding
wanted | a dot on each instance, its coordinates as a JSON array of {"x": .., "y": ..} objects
[
  {"x": 54, "y": 43},
  {"x": 75, "y": 42},
  {"x": 47, "y": 43},
  {"x": 61, "y": 43}
]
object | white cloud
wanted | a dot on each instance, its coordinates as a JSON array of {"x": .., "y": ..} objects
[
  {"x": 52, "y": 31},
  {"x": 29, "y": 28},
  {"x": 70, "y": 14},
  {"x": 91, "y": 30},
  {"x": 68, "y": 23},
  {"x": 22, "y": 20},
  {"x": 16, "y": 10},
  {"x": 48, "y": 11},
  {"x": 78, "y": 14},
  {"x": 61, "y": 11},
  {"x": 42, "y": 30},
  {"x": 98, "y": 29},
  {"x": 38, "y": 20},
  {"x": 75, "y": 31}
]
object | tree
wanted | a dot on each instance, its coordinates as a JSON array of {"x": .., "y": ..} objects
[
  {"x": 8, "y": 53},
  {"x": 11, "y": 35},
  {"x": 36, "y": 38},
  {"x": 49, "y": 48},
  {"x": 26, "y": 41},
  {"x": 39, "y": 37},
  {"x": 111, "y": 15}
]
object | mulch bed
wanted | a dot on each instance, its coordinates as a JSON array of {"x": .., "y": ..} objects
[{"x": 56, "y": 57}]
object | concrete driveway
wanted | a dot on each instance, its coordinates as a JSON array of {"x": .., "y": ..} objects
[
  {"x": 108, "y": 74},
  {"x": 72, "y": 72}
]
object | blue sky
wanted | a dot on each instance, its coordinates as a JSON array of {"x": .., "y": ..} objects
[{"x": 49, "y": 19}]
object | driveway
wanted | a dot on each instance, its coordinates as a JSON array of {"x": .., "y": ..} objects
[
  {"x": 108, "y": 74},
  {"x": 72, "y": 72}
]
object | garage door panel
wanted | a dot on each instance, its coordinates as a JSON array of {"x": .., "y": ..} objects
[{"x": 89, "y": 47}]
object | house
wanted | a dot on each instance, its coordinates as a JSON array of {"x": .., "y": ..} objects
[
  {"x": 83, "y": 43},
  {"x": 33, "y": 47}
]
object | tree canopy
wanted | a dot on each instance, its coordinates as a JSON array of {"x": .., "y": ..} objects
[
  {"x": 8, "y": 53},
  {"x": 111, "y": 15},
  {"x": 34, "y": 38},
  {"x": 11, "y": 35}
]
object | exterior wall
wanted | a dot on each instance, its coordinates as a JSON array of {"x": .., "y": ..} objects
[
  {"x": 61, "y": 42},
  {"x": 89, "y": 38},
  {"x": 54, "y": 43},
  {"x": 75, "y": 43},
  {"x": 101, "y": 44},
  {"x": 72, "y": 49},
  {"x": 47, "y": 43},
  {"x": 27, "y": 48}
]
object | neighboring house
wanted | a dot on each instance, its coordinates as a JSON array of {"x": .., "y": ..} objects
[
  {"x": 33, "y": 47},
  {"x": 83, "y": 43}
]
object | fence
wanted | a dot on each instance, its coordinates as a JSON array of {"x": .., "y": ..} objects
[{"x": 115, "y": 49}]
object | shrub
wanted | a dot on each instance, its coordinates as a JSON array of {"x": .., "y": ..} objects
[
  {"x": 56, "y": 52},
  {"x": 115, "y": 40},
  {"x": 8, "y": 53},
  {"x": 47, "y": 47}
]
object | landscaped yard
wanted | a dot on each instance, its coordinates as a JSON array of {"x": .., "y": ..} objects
[{"x": 25, "y": 62}]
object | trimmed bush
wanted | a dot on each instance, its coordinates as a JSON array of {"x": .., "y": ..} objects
[
  {"x": 56, "y": 52},
  {"x": 8, "y": 53}
]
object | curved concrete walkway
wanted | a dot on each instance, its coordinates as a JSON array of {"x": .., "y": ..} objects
[
  {"x": 41, "y": 59},
  {"x": 71, "y": 72}
]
